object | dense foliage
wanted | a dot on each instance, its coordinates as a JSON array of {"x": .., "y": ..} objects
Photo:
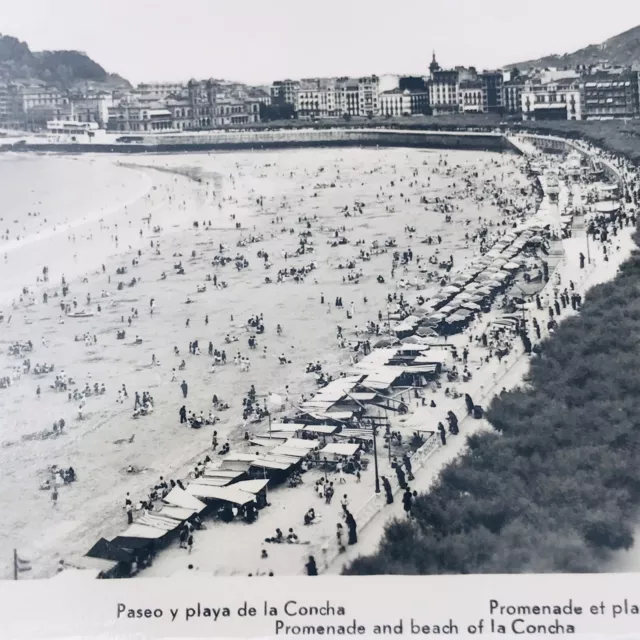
[
  {"x": 556, "y": 486},
  {"x": 62, "y": 68}
]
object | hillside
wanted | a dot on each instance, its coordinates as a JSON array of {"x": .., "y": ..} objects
[
  {"x": 66, "y": 69},
  {"x": 623, "y": 49}
]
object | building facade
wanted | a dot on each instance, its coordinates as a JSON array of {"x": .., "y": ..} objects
[
  {"x": 404, "y": 103},
  {"x": 513, "y": 95},
  {"x": 91, "y": 107},
  {"x": 559, "y": 100},
  {"x": 160, "y": 90},
  {"x": 284, "y": 92},
  {"x": 492, "y": 91},
  {"x": 132, "y": 115},
  {"x": 444, "y": 92},
  {"x": 471, "y": 97},
  {"x": 607, "y": 95}
]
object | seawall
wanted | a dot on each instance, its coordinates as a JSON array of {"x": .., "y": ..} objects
[{"x": 291, "y": 138}]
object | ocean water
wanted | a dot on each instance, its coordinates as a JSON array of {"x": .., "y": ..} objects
[{"x": 46, "y": 200}]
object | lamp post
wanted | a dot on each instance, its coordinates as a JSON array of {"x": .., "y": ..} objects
[{"x": 375, "y": 456}]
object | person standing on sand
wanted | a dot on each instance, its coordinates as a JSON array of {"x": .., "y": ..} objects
[
  {"x": 54, "y": 495},
  {"x": 185, "y": 389},
  {"x": 312, "y": 569}
]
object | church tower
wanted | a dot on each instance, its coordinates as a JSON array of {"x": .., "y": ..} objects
[{"x": 434, "y": 66}]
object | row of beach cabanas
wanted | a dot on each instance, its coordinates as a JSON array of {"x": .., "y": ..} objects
[{"x": 471, "y": 290}]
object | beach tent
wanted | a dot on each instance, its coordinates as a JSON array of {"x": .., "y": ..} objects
[
  {"x": 265, "y": 441},
  {"x": 106, "y": 550},
  {"x": 290, "y": 455},
  {"x": 456, "y": 317},
  {"x": 251, "y": 486},
  {"x": 326, "y": 429},
  {"x": 341, "y": 448},
  {"x": 216, "y": 481},
  {"x": 180, "y": 498},
  {"x": 452, "y": 288},
  {"x": 225, "y": 494},
  {"x": 302, "y": 445},
  {"x": 141, "y": 532},
  {"x": 363, "y": 396},
  {"x": 177, "y": 513},
  {"x": 159, "y": 522},
  {"x": 221, "y": 473},
  {"x": 105, "y": 568}
]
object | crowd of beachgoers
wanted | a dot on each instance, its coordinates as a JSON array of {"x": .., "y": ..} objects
[{"x": 283, "y": 275}]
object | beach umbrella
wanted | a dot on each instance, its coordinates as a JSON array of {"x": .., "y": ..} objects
[
  {"x": 385, "y": 342},
  {"x": 456, "y": 317},
  {"x": 426, "y": 332},
  {"x": 485, "y": 291},
  {"x": 471, "y": 305},
  {"x": 452, "y": 288},
  {"x": 494, "y": 284},
  {"x": 421, "y": 311},
  {"x": 511, "y": 266}
]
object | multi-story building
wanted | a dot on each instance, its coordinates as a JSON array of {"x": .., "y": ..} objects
[
  {"x": 407, "y": 102},
  {"x": 471, "y": 96},
  {"x": 231, "y": 111},
  {"x": 41, "y": 97},
  {"x": 513, "y": 94},
  {"x": 182, "y": 118},
  {"x": 132, "y": 115},
  {"x": 558, "y": 100},
  {"x": 11, "y": 112},
  {"x": 91, "y": 107},
  {"x": 332, "y": 98},
  {"x": 608, "y": 95},
  {"x": 443, "y": 88},
  {"x": 284, "y": 92},
  {"x": 492, "y": 91},
  {"x": 368, "y": 96},
  {"x": 160, "y": 90}
]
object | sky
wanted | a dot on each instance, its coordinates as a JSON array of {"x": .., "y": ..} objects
[{"x": 258, "y": 41}]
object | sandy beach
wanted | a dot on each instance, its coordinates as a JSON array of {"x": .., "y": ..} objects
[{"x": 269, "y": 194}]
